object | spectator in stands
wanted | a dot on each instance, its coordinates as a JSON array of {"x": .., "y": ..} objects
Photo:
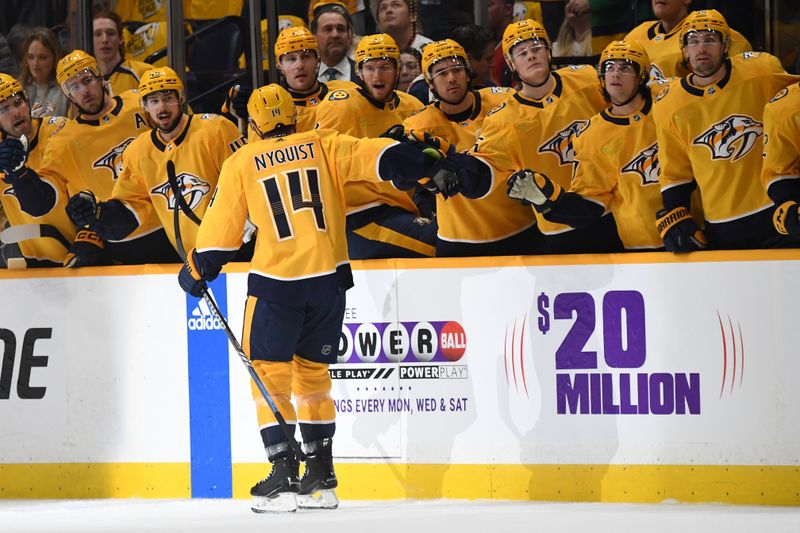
[
  {"x": 398, "y": 18},
  {"x": 87, "y": 154},
  {"x": 360, "y": 16},
  {"x": 500, "y": 15},
  {"x": 122, "y": 74},
  {"x": 574, "y": 37},
  {"x": 333, "y": 29},
  {"x": 660, "y": 39},
  {"x": 709, "y": 126},
  {"x": 410, "y": 67},
  {"x": 382, "y": 221},
  {"x": 16, "y": 121},
  {"x": 38, "y": 75},
  {"x": 8, "y": 65},
  {"x": 17, "y": 36},
  {"x": 479, "y": 43}
]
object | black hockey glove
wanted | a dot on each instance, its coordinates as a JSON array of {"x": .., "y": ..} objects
[
  {"x": 533, "y": 188},
  {"x": 420, "y": 139},
  {"x": 237, "y": 101},
  {"x": 679, "y": 231},
  {"x": 88, "y": 249},
  {"x": 13, "y": 154},
  {"x": 786, "y": 220},
  {"x": 190, "y": 278},
  {"x": 83, "y": 210}
]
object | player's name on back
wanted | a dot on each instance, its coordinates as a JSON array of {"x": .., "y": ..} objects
[{"x": 289, "y": 154}]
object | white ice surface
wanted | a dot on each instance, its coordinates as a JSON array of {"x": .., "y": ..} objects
[{"x": 441, "y": 516}]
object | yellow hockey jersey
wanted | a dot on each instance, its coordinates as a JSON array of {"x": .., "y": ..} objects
[
  {"x": 126, "y": 75},
  {"x": 538, "y": 134},
  {"x": 87, "y": 154},
  {"x": 461, "y": 219},
  {"x": 782, "y": 139},
  {"x": 197, "y": 152},
  {"x": 352, "y": 113},
  {"x": 713, "y": 135},
  {"x": 663, "y": 49},
  {"x": 617, "y": 167},
  {"x": 293, "y": 189},
  {"x": 44, "y": 249}
]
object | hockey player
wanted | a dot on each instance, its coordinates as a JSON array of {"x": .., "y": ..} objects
[
  {"x": 196, "y": 144},
  {"x": 709, "y": 126},
  {"x": 86, "y": 154},
  {"x": 616, "y": 158},
  {"x": 660, "y": 40},
  {"x": 298, "y": 62},
  {"x": 382, "y": 221},
  {"x": 120, "y": 73},
  {"x": 535, "y": 129},
  {"x": 15, "y": 122},
  {"x": 467, "y": 227},
  {"x": 780, "y": 173},
  {"x": 291, "y": 184}
]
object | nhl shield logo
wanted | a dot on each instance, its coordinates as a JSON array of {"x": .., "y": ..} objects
[
  {"x": 112, "y": 160},
  {"x": 645, "y": 164},
  {"x": 194, "y": 190},
  {"x": 732, "y": 138},
  {"x": 561, "y": 144}
]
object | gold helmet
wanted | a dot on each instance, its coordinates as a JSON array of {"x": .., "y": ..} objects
[
  {"x": 293, "y": 40},
  {"x": 705, "y": 20},
  {"x": 439, "y": 51},
  {"x": 271, "y": 106},
  {"x": 524, "y": 30},
  {"x": 74, "y": 63},
  {"x": 378, "y": 46},
  {"x": 160, "y": 79},
  {"x": 631, "y": 51},
  {"x": 9, "y": 86}
]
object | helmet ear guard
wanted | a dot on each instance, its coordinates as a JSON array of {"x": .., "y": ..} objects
[{"x": 271, "y": 107}]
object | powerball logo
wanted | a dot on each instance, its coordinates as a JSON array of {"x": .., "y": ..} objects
[{"x": 202, "y": 319}]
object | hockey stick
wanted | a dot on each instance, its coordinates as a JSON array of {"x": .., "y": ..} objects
[
  {"x": 24, "y": 232},
  {"x": 212, "y": 304}
]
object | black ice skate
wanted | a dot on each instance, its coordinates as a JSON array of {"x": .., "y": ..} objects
[
  {"x": 319, "y": 479},
  {"x": 277, "y": 493}
]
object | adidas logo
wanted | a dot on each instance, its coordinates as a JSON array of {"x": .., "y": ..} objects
[{"x": 202, "y": 318}]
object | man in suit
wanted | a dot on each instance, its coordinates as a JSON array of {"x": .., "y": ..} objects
[{"x": 333, "y": 29}]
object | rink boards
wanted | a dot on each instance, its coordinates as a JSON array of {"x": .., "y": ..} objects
[{"x": 637, "y": 377}]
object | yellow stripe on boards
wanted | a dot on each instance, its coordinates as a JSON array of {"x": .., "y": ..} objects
[
  {"x": 751, "y": 485},
  {"x": 95, "y": 480}
]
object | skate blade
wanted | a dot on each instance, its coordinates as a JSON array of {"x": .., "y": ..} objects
[
  {"x": 285, "y": 502},
  {"x": 321, "y": 499}
]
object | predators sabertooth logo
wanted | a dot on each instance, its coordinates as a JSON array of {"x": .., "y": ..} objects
[
  {"x": 561, "y": 143},
  {"x": 645, "y": 165},
  {"x": 731, "y": 138},
  {"x": 193, "y": 188},
  {"x": 112, "y": 160}
]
